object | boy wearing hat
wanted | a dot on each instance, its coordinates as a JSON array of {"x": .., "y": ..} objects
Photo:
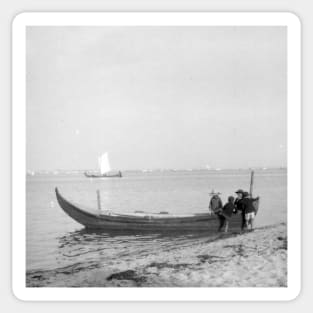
[
  {"x": 216, "y": 204},
  {"x": 245, "y": 205},
  {"x": 250, "y": 210},
  {"x": 240, "y": 206}
]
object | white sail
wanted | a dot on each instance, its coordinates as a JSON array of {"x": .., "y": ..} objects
[{"x": 104, "y": 163}]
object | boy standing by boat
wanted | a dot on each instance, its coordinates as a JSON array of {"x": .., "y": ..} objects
[
  {"x": 245, "y": 204},
  {"x": 250, "y": 211},
  {"x": 228, "y": 210},
  {"x": 240, "y": 207},
  {"x": 216, "y": 204}
]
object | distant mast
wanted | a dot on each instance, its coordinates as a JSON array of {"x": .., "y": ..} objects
[{"x": 104, "y": 163}]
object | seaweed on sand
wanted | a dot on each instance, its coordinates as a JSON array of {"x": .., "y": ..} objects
[
  {"x": 160, "y": 265},
  {"x": 206, "y": 258},
  {"x": 284, "y": 246},
  {"x": 127, "y": 275}
]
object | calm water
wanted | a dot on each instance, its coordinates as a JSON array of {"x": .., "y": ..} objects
[{"x": 55, "y": 241}]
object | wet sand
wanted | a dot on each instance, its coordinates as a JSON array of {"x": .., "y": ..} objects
[{"x": 251, "y": 259}]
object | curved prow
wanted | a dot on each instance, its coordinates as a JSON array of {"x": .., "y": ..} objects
[
  {"x": 79, "y": 215},
  {"x": 60, "y": 199},
  {"x": 57, "y": 194}
]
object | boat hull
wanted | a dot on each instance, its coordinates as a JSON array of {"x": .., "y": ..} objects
[
  {"x": 108, "y": 175},
  {"x": 144, "y": 223}
]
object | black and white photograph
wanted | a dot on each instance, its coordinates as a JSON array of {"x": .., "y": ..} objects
[{"x": 156, "y": 156}]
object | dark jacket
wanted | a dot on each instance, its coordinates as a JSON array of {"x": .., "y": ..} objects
[
  {"x": 228, "y": 209},
  {"x": 245, "y": 205},
  {"x": 239, "y": 205}
]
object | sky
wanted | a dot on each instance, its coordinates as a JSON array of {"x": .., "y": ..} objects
[{"x": 156, "y": 97}]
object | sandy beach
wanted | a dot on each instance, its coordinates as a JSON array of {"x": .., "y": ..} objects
[{"x": 251, "y": 259}]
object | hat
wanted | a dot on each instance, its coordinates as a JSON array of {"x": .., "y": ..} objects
[
  {"x": 212, "y": 193},
  {"x": 245, "y": 194},
  {"x": 240, "y": 191}
]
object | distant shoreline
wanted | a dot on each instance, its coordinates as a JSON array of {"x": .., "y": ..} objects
[
  {"x": 148, "y": 171},
  {"x": 252, "y": 259}
]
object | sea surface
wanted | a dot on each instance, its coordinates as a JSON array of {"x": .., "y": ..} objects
[{"x": 55, "y": 242}]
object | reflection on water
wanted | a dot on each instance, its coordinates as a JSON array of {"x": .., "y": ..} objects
[{"x": 103, "y": 247}]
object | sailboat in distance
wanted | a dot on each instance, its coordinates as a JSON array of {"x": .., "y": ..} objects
[{"x": 104, "y": 168}]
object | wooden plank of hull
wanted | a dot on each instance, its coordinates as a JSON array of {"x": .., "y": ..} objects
[{"x": 197, "y": 222}]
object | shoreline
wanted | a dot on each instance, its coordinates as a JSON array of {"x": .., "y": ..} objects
[{"x": 251, "y": 259}]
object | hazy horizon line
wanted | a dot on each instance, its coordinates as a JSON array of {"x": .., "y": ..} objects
[{"x": 163, "y": 169}]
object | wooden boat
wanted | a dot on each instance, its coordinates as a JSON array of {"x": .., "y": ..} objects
[
  {"x": 140, "y": 222},
  {"x": 105, "y": 175}
]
